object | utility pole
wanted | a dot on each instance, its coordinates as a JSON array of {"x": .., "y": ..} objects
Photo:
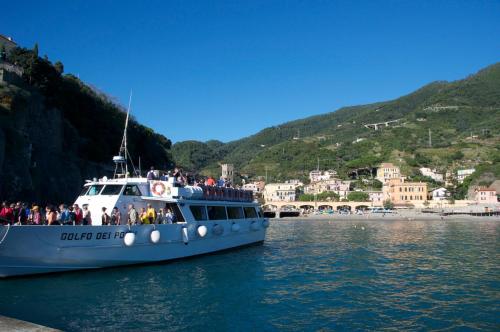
[
  {"x": 318, "y": 165},
  {"x": 430, "y": 138}
]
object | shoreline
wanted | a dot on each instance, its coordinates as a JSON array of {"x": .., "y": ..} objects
[{"x": 406, "y": 216}]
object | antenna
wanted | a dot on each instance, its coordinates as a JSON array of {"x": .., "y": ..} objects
[{"x": 123, "y": 156}]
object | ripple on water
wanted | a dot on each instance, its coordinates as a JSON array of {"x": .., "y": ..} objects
[{"x": 308, "y": 275}]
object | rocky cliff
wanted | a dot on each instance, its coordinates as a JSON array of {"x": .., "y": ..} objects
[
  {"x": 56, "y": 132},
  {"x": 39, "y": 158}
]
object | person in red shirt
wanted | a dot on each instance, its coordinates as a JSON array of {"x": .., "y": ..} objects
[
  {"x": 3, "y": 212},
  {"x": 210, "y": 181},
  {"x": 78, "y": 214}
]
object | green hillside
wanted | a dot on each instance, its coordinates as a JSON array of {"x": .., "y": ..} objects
[{"x": 452, "y": 111}]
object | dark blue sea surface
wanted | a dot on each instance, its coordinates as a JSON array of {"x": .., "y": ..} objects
[{"x": 308, "y": 275}]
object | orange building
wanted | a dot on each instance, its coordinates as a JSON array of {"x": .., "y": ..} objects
[{"x": 405, "y": 193}]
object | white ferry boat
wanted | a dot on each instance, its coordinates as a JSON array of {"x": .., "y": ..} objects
[{"x": 207, "y": 219}]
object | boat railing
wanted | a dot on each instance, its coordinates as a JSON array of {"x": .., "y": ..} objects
[
  {"x": 202, "y": 192},
  {"x": 214, "y": 193}
]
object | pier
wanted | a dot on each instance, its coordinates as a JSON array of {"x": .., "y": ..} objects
[{"x": 16, "y": 325}]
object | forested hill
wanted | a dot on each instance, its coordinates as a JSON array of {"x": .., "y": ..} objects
[
  {"x": 452, "y": 111},
  {"x": 56, "y": 131}
]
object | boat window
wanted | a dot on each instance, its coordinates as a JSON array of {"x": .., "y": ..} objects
[
  {"x": 132, "y": 190},
  {"x": 250, "y": 212},
  {"x": 216, "y": 212},
  {"x": 178, "y": 217},
  {"x": 235, "y": 212},
  {"x": 261, "y": 214},
  {"x": 199, "y": 212},
  {"x": 112, "y": 189},
  {"x": 84, "y": 191},
  {"x": 94, "y": 190}
]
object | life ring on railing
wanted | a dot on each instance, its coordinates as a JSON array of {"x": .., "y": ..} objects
[{"x": 158, "y": 188}]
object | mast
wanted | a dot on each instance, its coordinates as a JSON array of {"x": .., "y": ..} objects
[
  {"x": 123, "y": 155},
  {"x": 125, "y": 134}
]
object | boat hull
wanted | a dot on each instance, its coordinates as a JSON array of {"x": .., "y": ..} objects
[{"x": 27, "y": 250}]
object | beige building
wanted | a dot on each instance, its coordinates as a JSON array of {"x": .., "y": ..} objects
[
  {"x": 387, "y": 171},
  {"x": 376, "y": 197},
  {"x": 486, "y": 196},
  {"x": 257, "y": 186},
  {"x": 337, "y": 186},
  {"x": 279, "y": 192},
  {"x": 317, "y": 175},
  {"x": 405, "y": 193}
]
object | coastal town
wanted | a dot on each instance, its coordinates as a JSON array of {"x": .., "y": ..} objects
[{"x": 388, "y": 188}]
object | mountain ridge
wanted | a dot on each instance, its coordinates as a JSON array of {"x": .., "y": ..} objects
[{"x": 459, "y": 106}]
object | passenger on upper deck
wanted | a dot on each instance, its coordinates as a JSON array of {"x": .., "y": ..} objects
[
  {"x": 180, "y": 179},
  {"x": 210, "y": 181},
  {"x": 151, "y": 174},
  {"x": 221, "y": 182}
]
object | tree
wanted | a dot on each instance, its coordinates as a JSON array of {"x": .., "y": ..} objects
[
  {"x": 59, "y": 67},
  {"x": 35, "y": 50},
  {"x": 358, "y": 196},
  {"x": 3, "y": 53},
  {"x": 388, "y": 204},
  {"x": 426, "y": 204}
]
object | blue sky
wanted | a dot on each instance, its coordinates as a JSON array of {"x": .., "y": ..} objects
[{"x": 227, "y": 69}]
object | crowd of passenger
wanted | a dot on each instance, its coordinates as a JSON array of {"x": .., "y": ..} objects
[
  {"x": 21, "y": 213},
  {"x": 182, "y": 179}
]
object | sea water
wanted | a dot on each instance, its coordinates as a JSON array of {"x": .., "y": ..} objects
[{"x": 308, "y": 275}]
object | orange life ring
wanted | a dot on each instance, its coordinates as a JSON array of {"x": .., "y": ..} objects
[{"x": 158, "y": 188}]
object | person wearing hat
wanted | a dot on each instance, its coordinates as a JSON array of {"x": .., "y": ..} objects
[{"x": 35, "y": 217}]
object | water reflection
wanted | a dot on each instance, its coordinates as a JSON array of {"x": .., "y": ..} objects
[{"x": 308, "y": 275}]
